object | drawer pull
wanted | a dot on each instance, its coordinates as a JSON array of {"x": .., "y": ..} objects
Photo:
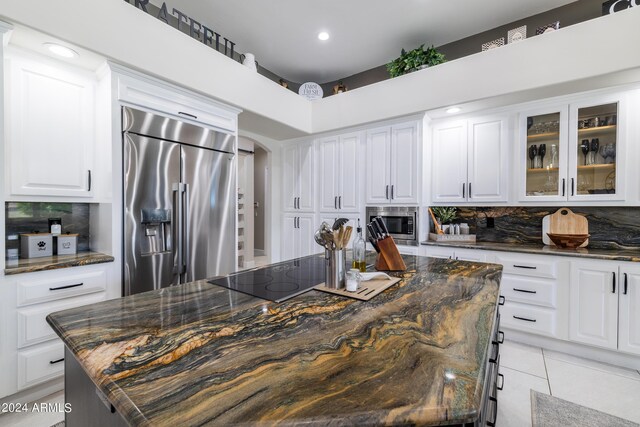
[
  {"x": 500, "y": 337},
  {"x": 501, "y": 386},
  {"x": 525, "y": 291},
  {"x": 66, "y": 287},
  {"x": 524, "y": 318},
  {"x": 53, "y": 362},
  {"x": 613, "y": 291},
  {"x": 528, "y": 267},
  {"x": 187, "y": 114},
  {"x": 501, "y": 300}
]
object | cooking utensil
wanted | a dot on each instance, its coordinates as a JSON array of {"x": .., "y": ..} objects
[
  {"x": 435, "y": 223},
  {"x": 339, "y": 223},
  {"x": 377, "y": 233},
  {"x": 347, "y": 236},
  {"x": 374, "y": 244},
  {"x": 382, "y": 226}
]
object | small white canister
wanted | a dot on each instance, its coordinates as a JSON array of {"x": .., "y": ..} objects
[
  {"x": 36, "y": 245},
  {"x": 67, "y": 244}
]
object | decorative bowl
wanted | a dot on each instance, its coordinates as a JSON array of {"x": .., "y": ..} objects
[{"x": 568, "y": 240}]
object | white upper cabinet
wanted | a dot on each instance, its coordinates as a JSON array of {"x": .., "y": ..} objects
[
  {"x": 338, "y": 165},
  {"x": 574, "y": 152},
  {"x": 392, "y": 164},
  {"x": 50, "y": 129},
  {"x": 470, "y": 161},
  {"x": 298, "y": 182}
]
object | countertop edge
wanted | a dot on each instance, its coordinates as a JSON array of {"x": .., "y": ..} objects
[
  {"x": 549, "y": 251},
  {"x": 89, "y": 258}
]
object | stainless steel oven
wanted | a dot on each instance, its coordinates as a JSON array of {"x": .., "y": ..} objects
[{"x": 402, "y": 222}]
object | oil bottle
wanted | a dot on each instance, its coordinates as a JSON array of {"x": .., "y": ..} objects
[{"x": 359, "y": 249}]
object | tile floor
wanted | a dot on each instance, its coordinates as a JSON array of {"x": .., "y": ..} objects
[
  {"x": 603, "y": 387},
  {"x": 592, "y": 384}
]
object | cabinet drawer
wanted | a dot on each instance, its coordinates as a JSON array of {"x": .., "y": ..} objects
[
  {"x": 45, "y": 288},
  {"x": 40, "y": 363},
  {"x": 32, "y": 324},
  {"x": 529, "y": 290},
  {"x": 528, "y": 266},
  {"x": 525, "y": 318}
]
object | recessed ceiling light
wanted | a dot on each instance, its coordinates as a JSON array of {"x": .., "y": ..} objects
[
  {"x": 454, "y": 110},
  {"x": 323, "y": 35},
  {"x": 60, "y": 50}
]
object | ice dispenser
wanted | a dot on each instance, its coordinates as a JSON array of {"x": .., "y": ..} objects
[{"x": 156, "y": 226}]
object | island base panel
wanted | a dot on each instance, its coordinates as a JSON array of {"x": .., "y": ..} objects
[{"x": 87, "y": 406}]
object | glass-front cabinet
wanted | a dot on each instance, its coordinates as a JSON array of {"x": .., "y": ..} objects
[
  {"x": 570, "y": 152},
  {"x": 545, "y": 151},
  {"x": 595, "y": 141}
]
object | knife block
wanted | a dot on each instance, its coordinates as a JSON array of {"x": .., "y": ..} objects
[{"x": 389, "y": 258}]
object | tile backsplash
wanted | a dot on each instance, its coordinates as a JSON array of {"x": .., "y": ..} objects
[
  {"x": 610, "y": 227},
  {"x": 27, "y": 217}
]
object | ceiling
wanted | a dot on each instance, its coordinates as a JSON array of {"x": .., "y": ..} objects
[{"x": 282, "y": 34}]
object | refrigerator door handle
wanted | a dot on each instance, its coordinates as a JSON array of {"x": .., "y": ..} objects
[
  {"x": 185, "y": 227},
  {"x": 177, "y": 228}
]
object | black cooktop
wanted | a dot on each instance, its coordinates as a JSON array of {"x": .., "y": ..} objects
[{"x": 277, "y": 282}]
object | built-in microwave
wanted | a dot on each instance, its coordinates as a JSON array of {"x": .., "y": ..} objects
[{"x": 402, "y": 222}]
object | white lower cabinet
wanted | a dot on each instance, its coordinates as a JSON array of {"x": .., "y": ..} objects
[
  {"x": 31, "y": 351},
  {"x": 605, "y": 305},
  {"x": 629, "y": 310},
  {"x": 297, "y": 236},
  {"x": 535, "y": 291}
]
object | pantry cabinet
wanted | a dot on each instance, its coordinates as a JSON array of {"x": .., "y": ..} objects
[
  {"x": 392, "y": 165},
  {"x": 339, "y": 164},
  {"x": 50, "y": 128},
  {"x": 298, "y": 179},
  {"x": 470, "y": 161},
  {"x": 573, "y": 152}
]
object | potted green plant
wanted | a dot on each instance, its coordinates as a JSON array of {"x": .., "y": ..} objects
[
  {"x": 415, "y": 59},
  {"x": 444, "y": 215}
]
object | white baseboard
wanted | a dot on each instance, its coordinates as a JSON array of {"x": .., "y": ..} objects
[{"x": 610, "y": 357}]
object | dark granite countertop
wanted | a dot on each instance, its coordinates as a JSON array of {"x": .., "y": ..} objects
[
  {"x": 199, "y": 354},
  {"x": 55, "y": 262},
  {"x": 527, "y": 248}
]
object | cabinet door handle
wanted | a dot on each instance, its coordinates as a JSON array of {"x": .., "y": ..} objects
[
  {"x": 624, "y": 292},
  {"x": 392, "y": 191},
  {"x": 563, "y": 186},
  {"x": 89, "y": 180},
  {"x": 528, "y": 267},
  {"x": 525, "y": 291},
  {"x": 59, "y": 288},
  {"x": 501, "y": 300},
  {"x": 613, "y": 282},
  {"x": 501, "y": 386},
  {"x": 469, "y": 190},
  {"x": 335, "y": 202},
  {"x": 525, "y": 319},
  {"x": 572, "y": 181},
  {"x": 187, "y": 114},
  {"x": 339, "y": 202},
  {"x": 53, "y": 362},
  {"x": 386, "y": 193},
  {"x": 463, "y": 190}
]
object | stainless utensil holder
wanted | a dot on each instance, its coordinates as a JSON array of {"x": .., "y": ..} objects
[{"x": 335, "y": 268}]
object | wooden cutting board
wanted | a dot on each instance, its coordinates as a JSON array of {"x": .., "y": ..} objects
[{"x": 564, "y": 221}]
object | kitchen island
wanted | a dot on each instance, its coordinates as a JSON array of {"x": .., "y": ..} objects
[{"x": 419, "y": 353}]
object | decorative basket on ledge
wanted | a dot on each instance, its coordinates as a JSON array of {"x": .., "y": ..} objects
[{"x": 452, "y": 237}]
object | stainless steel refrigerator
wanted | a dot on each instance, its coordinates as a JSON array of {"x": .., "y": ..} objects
[{"x": 179, "y": 202}]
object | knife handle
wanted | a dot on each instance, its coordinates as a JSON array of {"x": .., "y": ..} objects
[{"x": 374, "y": 244}]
